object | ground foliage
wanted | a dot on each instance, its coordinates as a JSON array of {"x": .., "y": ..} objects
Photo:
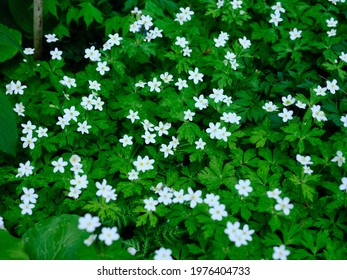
[{"x": 255, "y": 112}]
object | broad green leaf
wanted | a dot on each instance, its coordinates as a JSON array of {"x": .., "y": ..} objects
[
  {"x": 90, "y": 13},
  {"x": 22, "y": 12},
  {"x": 10, "y": 43},
  {"x": 50, "y": 6},
  {"x": 56, "y": 238},
  {"x": 11, "y": 248},
  {"x": 8, "y": 129}
]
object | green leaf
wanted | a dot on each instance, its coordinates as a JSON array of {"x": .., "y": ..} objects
[
  {"x": 56, "y": 238},
  {"x": 22, "y": 13},
  {"x": 11, "y": 248},
  {"x": 50, "y": 6},
  {"x": 90, "y": 13},
  {"x": 275, "y": 223},
  {"x": 8, "y": 129},
  {"x": 10, "y": 43}
]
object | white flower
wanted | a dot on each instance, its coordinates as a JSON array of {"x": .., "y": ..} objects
[
  {"x": 181, "y": 41},
  {"x": 283, "y": 204},
  {"x": 200, "y": 144},
  {"x": 165, "y": 196},
  {"x": 223, "y": 134},
  {"x": 103, "y": 188},
  {"x": 187, "y": 13},
  {"x": 344, "y": 120},
  {"x": 181, "y": 84},
  {"x": 80, "y": 182},
  {"x": 59, "y": 165},
  {"x": 51, "y": 38},
  {"x": 343, "y": 186},
  {"x": 167, "y": 150},
  {"x": 133, "y": 175},
  {"x": 195, "y": 76},
  {"x": 140, "y": 84},
  {"x": 69, "y": 82},
  {"x": 143, "y": 164},
  {"x": 231, "y": 118},
  {"x": 163, "y": 254},
  {"x": 270, "y": 107},
  {"x": 26, "y": 208},
  {"x": 18, "y": 88},
  {"x": 115, "y": 39},
  {"x": 307, "y": 169},
  {"x": 146, "y": 21},
  {"x": 89, "y": 241},
  {"x": 275, "y": 18},
  {"x": 343, "y": 56},
  {"x": 149, "y": 137},
  {"x": 193, "y": 197},
  {"x": 102, "y": 67},
  {"x": 286, "y": 115},
  {"x": 295, "y": 33},
  {"x": 213, "y": 130},
  {"x": 278, "y": 8},
  {"x": 2, "y": 226},
  {"x": 132, "y": 251},
  {"x": 25, "y": 169},
  {"x": 28, "y": 141},
  {"x": 19, "y": 109},
  {"x": 280, "y": 253},
  {"x": 162, "y": 128},
  {"x": 201, "y": 102},
  {"x": 244, "y": 187},
  {"x": 300, "y": 105},
  {"x": 94, "y": 85},
  {"x": 332, "y": 86},
  {"x": 56, "y": 54},
  {"x": 236, "y": 4},
  {"x": 187, "y": 51},
  {"x": 133, "y": 116},
  {"x": 244, "y": 42},
  {"x": 71, "y": 114},
  {"x": 231, "y": 230},
  {"x": 217, "y": 95},
  {"x": 29, "y": 196},
  {"x": 147, "y": 125},
  {"x": 188, "y": 115},
  {"x": 274, "y": 194},
  {"x": 126, "y": 140},
  {"x": 83, "y": 127},
  {"x": 339, "y": 158},
  {"x": 288, "y": 100},
  {"x": 331, "y": 33},
  {"x": 304, "y": 160},
  {"x": 166, "y": 77},
  {"x": 29, "y": 51},
  {"x": 218, "y": 212},
  {"x": 174, "y": 142},
  {"x": 331, "y": 22},
  {"x": 108, "y": 235},
  {"x": 320, "y": 91},
  {"x": 154, "y": 85},
  {"x": 178, "y": 196},
  {"x": 74, "y": 192},
  {"x": 150, "y": 204},
  {"x": 92, "y": 54},
  {"x": 42, "y": 132},
  {"x": 74, "y": 160},
  {"x": 212, "y": 200}
]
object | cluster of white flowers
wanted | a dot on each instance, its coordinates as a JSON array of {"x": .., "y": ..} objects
[
  {"x": 332, "y": 23},
  {"x": 92, "y": 101},
  {"x": 90, "y": 223},
  {"x": 305, "y": 161},
  {"x": 146, "y": 22},
  {"x": 184, "y": 15},
  {"x": 276, "y": 16},
  {"x": 237, "y": 235},
  {"x": 215, "y": 131},
  {"x": 183, "y": 43},
  {"x": 28, "y": 201},
  {"x": 222, "y": 39},
  {"x": 106, "y": 191},
  {"x": 25, "y": 169},
  {"x": 282, "y": 204},
  {"x": 15, "y": 88},
  {"x": 72, "y": 114},
  {"x": 28, "y": 139}
]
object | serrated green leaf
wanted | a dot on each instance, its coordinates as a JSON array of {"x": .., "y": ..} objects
[{"x": 90, "y": 13}]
